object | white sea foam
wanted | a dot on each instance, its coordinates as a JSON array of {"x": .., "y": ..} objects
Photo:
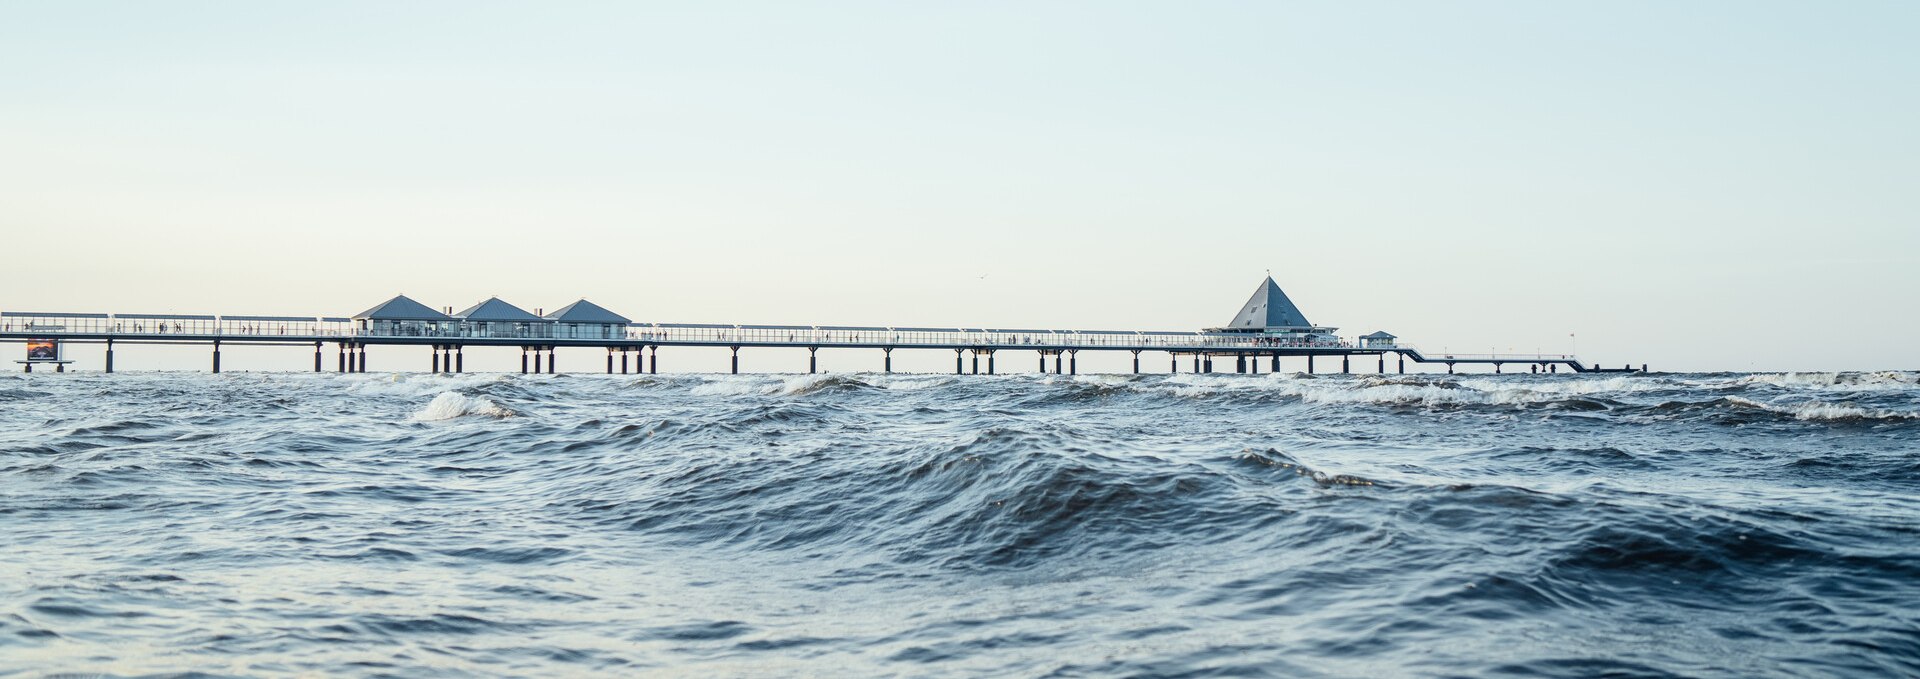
[
  {"x": 1868, "y": 381},
  {"x": 1825, "y": 412},
  {"x": 452, "y": 404}
]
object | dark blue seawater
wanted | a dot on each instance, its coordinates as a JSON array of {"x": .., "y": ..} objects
[{"x": 857, "y": 525}]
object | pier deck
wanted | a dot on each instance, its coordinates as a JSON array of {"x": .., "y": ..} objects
[{"x": 349, "y": 336}]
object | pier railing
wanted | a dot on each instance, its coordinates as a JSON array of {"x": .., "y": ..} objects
[
  {"x": 194, "y": 327},
  {"x": 982, "y": 338}
]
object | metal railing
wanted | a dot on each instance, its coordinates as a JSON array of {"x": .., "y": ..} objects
[{"x": 293, "y": 328}]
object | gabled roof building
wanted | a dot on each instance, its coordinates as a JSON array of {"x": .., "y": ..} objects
[
  {"x": 496, "y": 318},
  {"x": 586, "y": 320},
  {"x": 404, "y": 317}
]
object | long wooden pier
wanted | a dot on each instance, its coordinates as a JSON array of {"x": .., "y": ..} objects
[
  {"x": 639, "y": 344},
  {"x": 1278, "y": 333}
]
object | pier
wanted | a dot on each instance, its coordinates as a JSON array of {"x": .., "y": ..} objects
[{"x": 1268, "y": 328}]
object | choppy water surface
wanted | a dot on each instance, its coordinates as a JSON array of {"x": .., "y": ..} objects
[{"x": 1220, "y": 525}]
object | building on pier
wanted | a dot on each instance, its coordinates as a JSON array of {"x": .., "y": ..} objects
[
  {"x": 586, "y": 320},
  {"x": 1271, "y": 317},
  {"x": 1378, "y": 339},
  {"x": 496, "y": 318},
  {"x": 403, "y": 317}
]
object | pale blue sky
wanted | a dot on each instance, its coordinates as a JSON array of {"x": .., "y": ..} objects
[{"x": 1726, "y": 185}]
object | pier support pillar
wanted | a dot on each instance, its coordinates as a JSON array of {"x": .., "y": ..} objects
[
  {"x": 553, "y": 361},
  {"x": 958, "y": 362},
  {"x": 436, "y": 358},
  {"x": 340, "y": 360},
  {"x": 653, "y": 364},
  {"x": 813, "y": 360},
  {"x": 1043, "y": 362},
  {"x": 360, "y": 357},
  {"x": 975, "y": 354},
  {"x": 989, "y": 361},
  {"x": 1276, "y": 363},
  {"x": 1209, "y": 364},
  {"x": 1383, "y": 364},
  {"x": 1403, "y": 362},
  {"x": 1196, "y": 364},
  {"x": 28, "y": 366},
  {"x": 736, "y": 360},
  {"x": 1309, "y": 364},
  {"x": 1056, "y": 362},
  {"x": 1136, "y": 361},
  {"x": 1346, "y": 367},
  {"x": 216, "y": 356},
  {"x": 1240, "y": 364},
  {"x": 536, "y": 360},
  {"x": 609, "y": 360},
  {"x": 316, "y": 357},
  {"x": 1496, "y": 368},
  {"x": 1174, "y": 359},
  {"x": 1449, "y": 368},
  {"x": 623, "y": 359},
  {"x": 1073, "y": 362},
  {"x": 886, "y": 360},
  {"x": 523, "y": 360},
  {"x": 459, "y": 358}
]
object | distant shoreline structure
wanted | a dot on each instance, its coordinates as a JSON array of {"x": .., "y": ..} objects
[{"x": 1268, "y": 326}]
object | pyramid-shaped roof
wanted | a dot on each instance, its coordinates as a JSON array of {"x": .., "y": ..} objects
[
  {"x": 402, "y": 308},
  {"x": 1268, "y": 308},
  {"x": 495, "y": 309},
  {"x": 584, "y": 311}
]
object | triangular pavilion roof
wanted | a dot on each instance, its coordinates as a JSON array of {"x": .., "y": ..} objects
[
  {"x": 1378, "y": 334},
  {"x": 496, "y": 309},
  {"x": 402, "y": 308},
  {"x": 584, "y": 311},
  {"x": 1268, "y": 308}
]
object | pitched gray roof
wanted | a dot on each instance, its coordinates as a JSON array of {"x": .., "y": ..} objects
[
  {"x": 494, "y": 309},
  {"x": 584, "y": 311},
  {"x": 400, "y": 308},
  {"x": 1378, "y": 334},
  {"x": 1269, "y": 308}
]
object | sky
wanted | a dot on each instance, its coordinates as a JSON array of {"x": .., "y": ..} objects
[{"x": 1694, "y": 186}]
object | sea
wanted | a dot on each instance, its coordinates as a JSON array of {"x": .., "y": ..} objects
[{"x": 894, "y": 525}]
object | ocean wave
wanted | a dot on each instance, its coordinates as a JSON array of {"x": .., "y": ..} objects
[
  {"x": 452, "y": 404},
  {"x": 1850, "y": 381},
  {"x": 884, "y": 524},
  {"x": 1816, "y": 411}
]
